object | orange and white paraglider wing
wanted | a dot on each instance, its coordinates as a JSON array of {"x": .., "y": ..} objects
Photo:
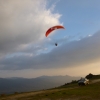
[{"x": 53, "y": 28}]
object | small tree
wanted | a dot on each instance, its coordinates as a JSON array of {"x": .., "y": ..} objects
[{"x": 89, "y": 76}]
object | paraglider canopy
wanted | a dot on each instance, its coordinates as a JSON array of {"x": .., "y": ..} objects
[{"x": 53, "y": 28}]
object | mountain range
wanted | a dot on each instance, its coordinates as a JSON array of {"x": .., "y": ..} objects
[{"x": 16, "y": 84}]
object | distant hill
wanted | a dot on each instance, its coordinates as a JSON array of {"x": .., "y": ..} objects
[{"x": 11, "y": 85}]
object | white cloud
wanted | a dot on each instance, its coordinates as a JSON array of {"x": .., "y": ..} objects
[{"x": 23, "y": 22}]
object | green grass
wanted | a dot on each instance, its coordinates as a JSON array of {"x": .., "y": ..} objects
[
  {"x": 90, "y": 92},
  {"x": 72, "y": 91}
]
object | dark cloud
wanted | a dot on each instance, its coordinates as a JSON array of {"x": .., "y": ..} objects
[{"x": 72, "y": 54}]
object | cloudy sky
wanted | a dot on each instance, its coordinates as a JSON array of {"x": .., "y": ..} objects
[{"x": 26, "y": 52}]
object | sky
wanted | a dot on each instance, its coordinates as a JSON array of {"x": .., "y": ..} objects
[{"x": 26, "y": 52}]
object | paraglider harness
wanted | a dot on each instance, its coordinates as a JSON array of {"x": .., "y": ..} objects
[{"x": 56, "y": 44}]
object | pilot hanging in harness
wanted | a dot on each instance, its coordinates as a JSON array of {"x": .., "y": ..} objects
[{"x": 56, "y": 44}]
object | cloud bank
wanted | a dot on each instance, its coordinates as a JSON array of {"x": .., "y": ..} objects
[{"x": 72, "y": 54}]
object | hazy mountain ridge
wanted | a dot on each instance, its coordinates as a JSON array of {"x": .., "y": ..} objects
[{"x": 10, "y": 85}]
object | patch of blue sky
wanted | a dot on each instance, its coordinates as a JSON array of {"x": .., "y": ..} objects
[{"x": 80, "y": 18}]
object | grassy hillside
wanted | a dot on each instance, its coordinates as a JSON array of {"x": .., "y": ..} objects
[
  {"x": 73, "y": 91},
  {"x": 69, "y": 91}
]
